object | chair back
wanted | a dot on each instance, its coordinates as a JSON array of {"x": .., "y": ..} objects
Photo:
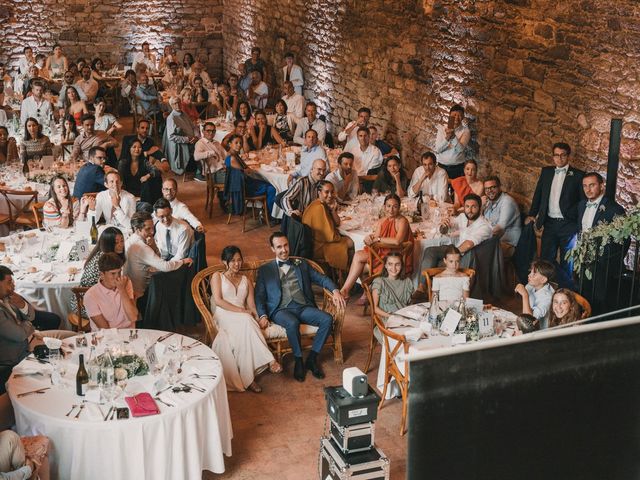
[
  {"x": 584, "y": 304},
  {"x": 19, "y": 202},
  {"x": 429, "y": 273},
  {"x": 78, "y": 323},
  {"x": 36, "y": 210},
  {"x": 375, "y": 252}
]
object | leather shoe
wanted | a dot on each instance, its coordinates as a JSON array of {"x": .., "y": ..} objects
[
  {"x": 313, "y": 367},
  {"x": 299, "y": 371}
]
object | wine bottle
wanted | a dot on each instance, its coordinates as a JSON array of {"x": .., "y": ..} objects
[
  {"x": 82, "y": 378},
  {"x": 419, "y": 205},
  {"x": 93, "y": 232}
]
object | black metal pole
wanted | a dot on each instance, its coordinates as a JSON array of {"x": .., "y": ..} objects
[{"x": 614, "y": 157}]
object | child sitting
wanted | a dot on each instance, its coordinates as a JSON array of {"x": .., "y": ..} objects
[
  {"x": 452, "y": 283},
  {"x": 537, "y": 294}
]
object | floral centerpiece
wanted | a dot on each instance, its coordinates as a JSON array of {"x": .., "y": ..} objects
[
  {"x": 592, "y": 243},
  {"x": 46, "y": 177},
  {"x": 128, "y": 365}
]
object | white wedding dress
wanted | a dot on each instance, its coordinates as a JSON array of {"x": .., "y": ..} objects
[{"x": 239, "y": 344}]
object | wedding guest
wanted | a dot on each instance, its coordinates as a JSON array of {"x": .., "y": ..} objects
[
  {"x": 145, "y": 56},
  {"x": 16, "y": 327},
  {"x": 451, "y": 142},
  {"x": 74, "y": 105},
  {"x": 139, "y": 176},
  {"x": 154, "y": 155},
  {"x": 42, "y": 72},
  {"x": 8, "y": 147},
  {"x": 310, "y": 120},
  {"x": 200, "y": 95},
  {"x": 504, "y": 215},
  {"x": 187, "y": 62},
  {"x": 16, "y": 463},
  {"x": 255, "y": 63},
  {"x": 392, "y": 178},
  {"x": 129, "y": 85},
  {"x": 168, "y": 57},
  {"x": 33, "y": 76},
  {"x": 555, "y": 207},
  {"x": 104, "y": 121},
  {"x": 26, "y": 60},
  {"x": 61, "y": 209},
  {"x": 537, "y": 294},
  {"x": 392, "y": 230},
  {"x": 143, "y": 256},
  {"x": 239, "y": 130},
  {"x": 245, "y": 114},
  {"x": 564, "y": 308},
  {"x": 262, "y": 134},
  {"x": 295, "y": 101},
  {"x": 304, "y": 190},
  {"x": 67, "y": 81},
  {"x": 90, "y": 177},
  {"x": 36, "y": 105},
  {"x": 179, "y": 209},
  {"x": 367, "y": 158},
  {"x": 344, "y": 179},
  {"x": 292, "y": 72},
  {"x": 111, "y": 240},
  {"x": 87, "y": 83},
  {"x": 452, "y": 283},
  {"x": 181, "y": 135},
  {"x": 385, "y": 149},
  {"x": 56, "y": 63},
  {"x": 392, "y": 290},
  {"x": 466, "y": 184},
  {"x": 173, "y": 79},
  {"x": 69, "y": 129},
  {"x": 34, "y": 143},
  {"x": 97, "y": 69},
  {"x": 110, "y": 302},
  {"x": 240, "y": 343},
  {"x": 173, "y": 236},
  {"x": 223, "y": 102},
  {"x": 93, "y": 138},
  {"x": 116, "y": 205},
  {"x": 429, "y": 180},
  {"x": 350, "y": 132},
  {"x": 211, "y": 154},
  {"x": 147, "y": 96},
  {"x": 187, "y": 106},
  {"x": 198, "y": 71},
  {"x": 309, "y": 153},
  {"x": 283, "y": 122}
]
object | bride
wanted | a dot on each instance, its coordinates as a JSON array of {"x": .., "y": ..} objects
[{"x": 240, "y": 344}]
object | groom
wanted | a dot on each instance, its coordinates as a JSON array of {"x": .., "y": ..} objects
[{"x": 283, "y": 294}]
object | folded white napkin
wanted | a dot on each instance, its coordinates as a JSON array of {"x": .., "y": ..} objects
[
  {"x": 395, "y": 321},
  {"x": 414, "y": 311},
  {"x": 270, "y": 168},
  {"x": 416, "y": 333}
]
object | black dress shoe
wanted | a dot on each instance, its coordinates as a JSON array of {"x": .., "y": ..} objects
[
  {"x": 313, "y": 367},
  {"x": 299, "y": 371}
]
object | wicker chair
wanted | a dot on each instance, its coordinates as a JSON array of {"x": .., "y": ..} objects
[
  {"x": 366, "y": 284},
  {"x": 429, "y": 273},
  {"x": 275, "y": 335},
  {"x": 392, "y": 344},
  {"x": 584, "y": 304}
]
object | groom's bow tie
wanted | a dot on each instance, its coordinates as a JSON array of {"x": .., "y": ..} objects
[{"x": 286, "y": 262}]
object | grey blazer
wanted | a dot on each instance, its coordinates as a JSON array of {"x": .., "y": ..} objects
[{"x": 14, "y": 334}]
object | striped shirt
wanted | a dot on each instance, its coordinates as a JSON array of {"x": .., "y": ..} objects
[
  {"x": 51, "y": 214},
  {"x": 300, "y": 194}
]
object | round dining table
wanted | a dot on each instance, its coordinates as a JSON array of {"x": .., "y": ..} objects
[{"x": 191, "y": 433}]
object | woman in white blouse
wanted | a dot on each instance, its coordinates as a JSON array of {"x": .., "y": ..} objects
[
  {"x": 57, "y": 63},
  {"x": 292, "y": 73},
  {"x": 452, "y": 283}
]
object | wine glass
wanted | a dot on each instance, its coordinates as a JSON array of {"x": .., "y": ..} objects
[{"x": 108, "y": 387}]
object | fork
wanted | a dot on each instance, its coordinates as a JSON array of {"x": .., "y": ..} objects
[
  {"x": 163, "y": 402},
  {"x": 72, "y": 409},
  {"x": 80, "y": 410}
]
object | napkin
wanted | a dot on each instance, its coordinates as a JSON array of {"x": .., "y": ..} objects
[
  {"x": 52, "y": 343},
  {"x": 269, "y": 168},
  {"x": 416, "y": 333},
  {"x": 414, "y": 311},
  {"x": 142, "y": 405},
  {"x": 397, "y": 321}
]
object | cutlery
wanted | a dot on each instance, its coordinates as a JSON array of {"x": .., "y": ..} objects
[
  {"x": 100, "y": 410},
  {"x": 108, "y": 413},
  {"x": 164, "y": 337},
  {"x": 113, "y": 414},
  {"x": 72, "y": 409},
  {"x": 18, "y": 375},
  {"x": 191, "y": 385},
  {"x": 80, "y": 410},
  {"x": 36, "y": 359},
  {"x": 40, "y": 390},
  {"x": 164, "y": 389},
  {"x": 163, "y": 402},
  {"x": 198, "y": 375}
]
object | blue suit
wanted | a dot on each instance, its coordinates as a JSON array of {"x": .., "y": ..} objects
[{"x": 268, "y": 295}]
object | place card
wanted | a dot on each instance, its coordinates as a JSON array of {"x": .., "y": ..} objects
[
  {"x": 62, "y": 255},
  {"x": 485, "y": 323},
  {"x": 82, "y": 247},
  {"x": 450, "y": 322},
  {"x": 47, "y": 161},
  {"x": 458, "y": 339},
  {"x": 474, "y": 304}
]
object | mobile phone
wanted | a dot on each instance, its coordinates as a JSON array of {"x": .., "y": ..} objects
[{"x": 122, "y": 413}]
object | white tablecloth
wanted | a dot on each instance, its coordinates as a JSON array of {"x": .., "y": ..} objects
[{"x": 178, "y": 443}]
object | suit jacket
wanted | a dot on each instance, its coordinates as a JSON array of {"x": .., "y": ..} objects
[
  {"x": 606, "y": 211},
  {"x": 570, "y": 195},
  {"x": 269, "y": 287},
  {"x": 146, "y": 146},
  {"x": 14, "y": 334}
]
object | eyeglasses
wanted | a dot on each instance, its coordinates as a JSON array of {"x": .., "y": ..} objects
[
  {"x": 491, "y": 187},
  {"x": 560, "y": 155}
]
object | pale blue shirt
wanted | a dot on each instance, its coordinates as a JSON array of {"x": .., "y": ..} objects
[
  {"x": 505, "y": 213},
  {"x": 540, "y": 303},
  {"x": 307, "y": 157},
  {"x": 451, "y": 152}
]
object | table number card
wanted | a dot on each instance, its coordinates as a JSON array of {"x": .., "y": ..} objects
[
  {"x": 82, "y": 247},
  {"x": 450, "y": 322},
  {"x": 62, "y": 255},
  {"x": 485, "y": 324}
]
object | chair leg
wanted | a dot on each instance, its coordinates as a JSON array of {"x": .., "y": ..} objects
[
  {"x": 337, "y": 349},
  {"x": 244, "y": 217},
  {"x": 265, "y": 212},
  {"x": 372, "y": 346},
  {"x": 208, "y": 197},
  {"x": 404, "y": 389},
  {"x": 230, "y": 206}
]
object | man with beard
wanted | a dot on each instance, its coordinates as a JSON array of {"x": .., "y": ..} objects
[{"x": 344, "y": 179}]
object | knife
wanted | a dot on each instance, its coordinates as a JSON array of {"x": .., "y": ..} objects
[
  {"x": 108, "y": 413},
  {"x": 40, "y": 390}
]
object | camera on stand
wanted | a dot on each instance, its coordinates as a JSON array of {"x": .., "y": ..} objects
[{"x": 349, "y": 450}]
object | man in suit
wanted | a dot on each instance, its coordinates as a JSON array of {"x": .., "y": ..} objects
[
  {"x": 555, "y": 207},
  {"x": 593, "y": 210},
  {"x": 283, "y": 294}
]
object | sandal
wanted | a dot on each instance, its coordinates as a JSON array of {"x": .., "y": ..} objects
[
  {"x": 275, "y": 367},
  {"x": 254, "y": 387}
]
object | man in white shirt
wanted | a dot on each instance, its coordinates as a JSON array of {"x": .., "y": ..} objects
[
  {"x": 88, "y": 84},
  {"x": 503, "y": 213},
  {"x": 310, "y": 120},
  {"x": 143, "y": 255},
  {"x": 295, "y": 102},
  {"x": 173, "y": 237},
  {"x": 258, "y": 91},
  {"x": 472, "y": 230},
  {"x": 117, "y": 206},
  {"x": 310, "y": 152},
  {"x": 430, "y": 180},
  {"x": 367, "y": 158},
  {"x": 179, "y": 209},
  {"x": 292, "y": 72},
  {"x": 145, "y": 56},
  {"x": 173, "y": 79},
  {"x": 211, "y": 153},
  {"x": 344, "y": 179},
  {"x": 451, "y": 141},
  {"x": 36, "y": 106},
  {"x": 350, "y": 132}
]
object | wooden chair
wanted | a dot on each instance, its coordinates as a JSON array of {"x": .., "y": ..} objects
[
  {"x": 212, "y": 192},
  {"x": 391, "y": 368},
  {"x": 429, "y": 273},
  {"x": 375, "y": 254},
  {"x": 64, "y": 148},
  {"x": 36, "y": 210},
  {"x": 79, "y": 323},
  {"x": 366, "y": 285},
  {"x": 21, "y": 214},
  {"x": 364, "y": 179},
  {"x": 584, "y": 304},
  {"x": 275, "y": 335},
  {"x": 250, "y": 202}
]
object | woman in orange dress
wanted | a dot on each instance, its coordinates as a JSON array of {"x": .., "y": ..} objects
[
  {"x": 469, "y": 183},
  {"x": 392, "y": 229}
]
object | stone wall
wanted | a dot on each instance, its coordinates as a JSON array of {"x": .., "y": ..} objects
[
  {"x": 112, "y": 29},
  {"x": 529, "y": 72}
]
